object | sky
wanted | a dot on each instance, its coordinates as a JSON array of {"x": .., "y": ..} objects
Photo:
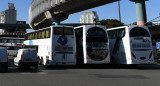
[{"x": 109, "y": 11}]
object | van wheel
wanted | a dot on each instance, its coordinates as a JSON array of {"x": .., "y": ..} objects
[{"x": 19, "y": 67}]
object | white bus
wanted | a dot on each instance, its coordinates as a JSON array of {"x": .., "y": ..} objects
[
  {"x": 130, "y": 45},
  {"x": 55, "y": 45},
  {"x": 92, "y": 44},
  {"x": 13, "y": 44}
]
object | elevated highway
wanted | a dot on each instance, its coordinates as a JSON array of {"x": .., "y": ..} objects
[{"x": 43, "y": 13}]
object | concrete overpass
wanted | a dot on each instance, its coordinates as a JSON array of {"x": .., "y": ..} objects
[{"x": 43, "y": 13}]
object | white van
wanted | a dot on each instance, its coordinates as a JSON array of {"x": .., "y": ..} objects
[
  {"x": 3, "y": 59},
  {"x": 26, "y": 58}
]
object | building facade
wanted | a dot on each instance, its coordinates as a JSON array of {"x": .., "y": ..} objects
[
  {"x": 9, "y": 16},
  {"x": 88, "y": 17}
]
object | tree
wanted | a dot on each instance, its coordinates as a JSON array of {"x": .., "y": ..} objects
[{"x": 110, "y": 23}]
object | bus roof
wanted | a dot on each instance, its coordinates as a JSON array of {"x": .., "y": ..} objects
[
  {"x": 125, "y": 27},
  {"x": 89, "y": 25},
  {"x": 48, "y": 27}
]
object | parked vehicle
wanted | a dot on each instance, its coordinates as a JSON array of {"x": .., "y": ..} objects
[
  {"x": 3, "y": 59},
  {"x": 130, "y": 45},
  {"x": 26, "y": 58},
  {"x": 55, "y": 45},
  {"x": 92, "y": 44}
]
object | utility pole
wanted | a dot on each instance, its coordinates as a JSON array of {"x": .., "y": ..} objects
[{"x": 119, "y": 9}]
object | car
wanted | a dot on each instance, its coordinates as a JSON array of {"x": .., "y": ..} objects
[
  {"x": 26, "y": 58},
  {"x": 3, "y": 59}
]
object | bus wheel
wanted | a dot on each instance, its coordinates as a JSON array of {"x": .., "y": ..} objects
[
  {"x": 19, "y": 68},
  {"x": 42, "y": 62},
  {"x": 6, "y": 69},
  {"x": 113, "y": 62},
  {"x": 36, "y": 67},
  {"x": 133, "y": 66},
  {"x": 39, "y": 60}
]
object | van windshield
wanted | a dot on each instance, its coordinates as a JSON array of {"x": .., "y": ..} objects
[{"x": 139, "y": 32}]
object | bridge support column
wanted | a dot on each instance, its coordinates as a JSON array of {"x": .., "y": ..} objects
[
  {"x": 140, "y": 11},
  {"x": 57, "y": 23}
]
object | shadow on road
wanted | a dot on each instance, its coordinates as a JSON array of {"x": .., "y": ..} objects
[
  {"x": 24, "y": 70},
  {"x": 106, "y": 66},
  {"x": 13, "y": 69}
]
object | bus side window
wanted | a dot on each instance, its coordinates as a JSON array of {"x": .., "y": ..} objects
[
  {"x": 24, "y": 37},
  {"x": 39, "y": 35},
  {"x": 36, "y": 36},
  {"x": 47, "y": 33},
  {"x": 33, "y": 36},
  {"x": 43, "y": 34},
  {"x": 121, "y": 33},
  {"x": 114, "y": 34},
  {"x": 30, "y": 36},
  {"x": 109, "y": 34},
  {"x": 27, "y": 36}
]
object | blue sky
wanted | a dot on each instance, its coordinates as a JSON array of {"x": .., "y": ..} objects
[{"x": 109, "y": 11}]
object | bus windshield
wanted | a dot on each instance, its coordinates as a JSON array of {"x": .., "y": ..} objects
[
  {"x": 63, "y": 31},
  {"x": 97, "y": 43},
  {"x": 139, "y": 32}
]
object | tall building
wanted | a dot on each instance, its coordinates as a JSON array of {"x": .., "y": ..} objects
[
  {"x": 9, "y": 16},
  {"x": 88, "y": 17}
]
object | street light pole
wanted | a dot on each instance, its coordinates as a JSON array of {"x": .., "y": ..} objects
[{"x": 119, "y": 9}]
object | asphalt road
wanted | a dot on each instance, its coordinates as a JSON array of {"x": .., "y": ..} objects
[{"x": 88, "y": 75}]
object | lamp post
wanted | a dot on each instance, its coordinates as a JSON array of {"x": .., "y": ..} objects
[{"x": 119, "y": 11}]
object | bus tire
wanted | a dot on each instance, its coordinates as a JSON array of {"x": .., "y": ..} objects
[
  {"x": 19, "y": 68},
  {"x": 42, "y": 61},
  {"x": 133, "y": 66},
  {"x": 113, "y": 61},
  {"x": 36, "y": 67},
  {"x": 39, "y": 60}
]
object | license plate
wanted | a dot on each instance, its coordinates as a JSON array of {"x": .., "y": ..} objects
[{"x": 28, "y": 59}]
